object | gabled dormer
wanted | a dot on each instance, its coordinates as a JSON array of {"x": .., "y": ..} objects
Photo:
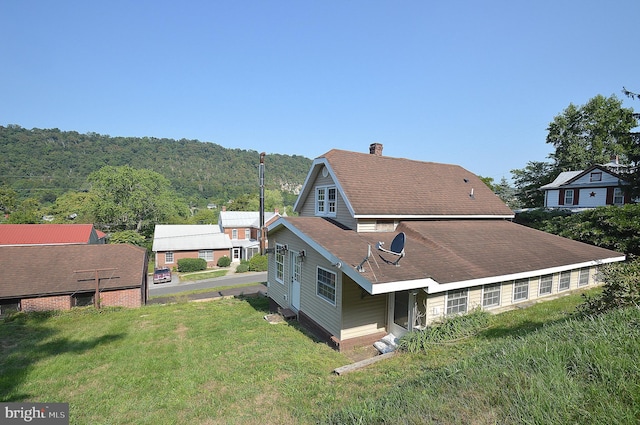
[{"x": 371, "y": 192}]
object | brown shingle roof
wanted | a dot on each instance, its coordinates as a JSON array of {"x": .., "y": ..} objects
[
  {"x": 50, "y": 269},
  {"x": 380, "y": 185},
  {"x": 452, "y": 251}
]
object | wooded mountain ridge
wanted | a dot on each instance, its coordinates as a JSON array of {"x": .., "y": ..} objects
[{"x": 45, "y": 163}]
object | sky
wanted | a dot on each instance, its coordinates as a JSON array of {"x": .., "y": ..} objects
[{"x": 474, "y": 83}]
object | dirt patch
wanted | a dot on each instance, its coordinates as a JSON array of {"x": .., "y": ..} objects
[{"x": 361, "y": 353}]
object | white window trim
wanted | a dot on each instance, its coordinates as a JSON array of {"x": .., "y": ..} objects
[
  {"x": 279, "y": 251},
  {"x": 560, "y": 281},
  {"x": 234, "y": 234},
  {"x": 540, "y": 293},
  {"x": 166, "y": 260},
  {"x": 203, "y": 254},
  {"x": 499, "y": 285},
  {"x": 335, "y": 288},
  {"x": 324, "y": 212},
  {"x": 566, "y": 197},
  {"x": 520, "y": 282},
  {"x": 247, "y": 233},
  {"x": 583, "y": 271},
  {"x": 446, "y": 302},
  {"x": 617, "y": 193}
]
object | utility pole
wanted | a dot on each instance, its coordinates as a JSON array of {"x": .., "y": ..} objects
[
  {"x": 263, "y": 231},
  {"x": 96, "y": 298}
]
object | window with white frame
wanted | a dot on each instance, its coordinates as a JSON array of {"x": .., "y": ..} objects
[
  {"x": 618, "y": 196},
  {"x": 457, "y": 301},
  {"x": 520, "y": 290},
  {"x": 546, "y": 284},
  {"x": 583, "y": 277},
  {"x": 234, "y": 233},
  {"x": 326, "y": 197},
  {"x": 247, "y": 233},
  {"x": 206, "y": 254},
  {"x": 491, "y": 295},
  {"x": 326, "y": 285},
  {"x": 565, "y": 280},
  {"x": 168, "y": 257},
  {"x": 279, "y": 263},
  {"x": 596, "y": 176},
  {"x": 568, "y": 197}
]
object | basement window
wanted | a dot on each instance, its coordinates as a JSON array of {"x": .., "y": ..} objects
[{"x": 82, "y": 300}]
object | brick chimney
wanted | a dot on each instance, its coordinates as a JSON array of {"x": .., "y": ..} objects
[{"x": 375, "y": 149}]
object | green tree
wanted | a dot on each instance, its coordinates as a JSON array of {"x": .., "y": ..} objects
[
  {"x": 633, "y": 155},
  {"x": 79, "y": 205},
  {"x": 128, "y": 198},
  {"x": 127, "y": 236},
  {"x": 27, "y": 212},
  {"x": 8, "y": 199},
  {"x": 527, "y": 182},
  {"x": 590, "y": 134}
]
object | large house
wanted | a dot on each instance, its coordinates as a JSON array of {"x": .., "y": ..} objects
[
  {"x": 388, "y": 245},
  {"x": 243, "y": 228},
  {"x": 58, "y": 277},
  {"x": 49, "y": 234},
  {"x": 172, "y": 242},
  {"x": 578, "y": 190}
]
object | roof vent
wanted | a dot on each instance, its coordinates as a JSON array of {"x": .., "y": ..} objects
[{"x": 375, "y": 149}]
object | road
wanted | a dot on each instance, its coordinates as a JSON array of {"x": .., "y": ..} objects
[{"x": 175, "y": 287}]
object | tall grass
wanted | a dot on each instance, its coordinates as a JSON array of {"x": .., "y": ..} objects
[{"x": 579, "y": 371}]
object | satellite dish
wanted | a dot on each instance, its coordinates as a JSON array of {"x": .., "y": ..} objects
[{"x": 397, "y": 248}]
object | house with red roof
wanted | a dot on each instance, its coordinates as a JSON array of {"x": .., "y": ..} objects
[
  {"x": 383, "y": 246},
  {"x": 49, "y": 234}
]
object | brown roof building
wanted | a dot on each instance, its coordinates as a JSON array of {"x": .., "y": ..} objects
[
  {"x": 388, "y": 245},
  {"x": 58, "y": 277}
]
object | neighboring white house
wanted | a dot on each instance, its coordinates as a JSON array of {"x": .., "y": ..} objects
[
  {"x": 171, "y": 242},
  {"x": 577, "y": 190},
  {"x": 243, "y": 228},
  {"x": 338, "y": 270}
]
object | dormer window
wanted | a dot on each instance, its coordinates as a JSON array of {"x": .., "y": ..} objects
[{"x": 326, "y": 197}]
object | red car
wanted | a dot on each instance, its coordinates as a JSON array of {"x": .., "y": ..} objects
[{"x": 162, "y": 275}]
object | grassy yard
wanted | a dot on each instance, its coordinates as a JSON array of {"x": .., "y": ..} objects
[{"x": 220, "y": 362}]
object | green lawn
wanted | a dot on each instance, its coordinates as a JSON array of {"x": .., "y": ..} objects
[{"x": 221, "y": 362}]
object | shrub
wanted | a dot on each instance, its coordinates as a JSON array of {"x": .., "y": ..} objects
[
  {"x": 242, "y": 268},
  {"x": 186, "y": 265},
  {"x": 449, "y": 330},
  {"x": 224, "y": 261},
  {"x": 258, "y": 263},
  {"x": 621, "y": 289}
]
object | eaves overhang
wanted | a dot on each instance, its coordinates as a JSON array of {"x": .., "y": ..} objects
[{"x": 430, "y": 216}]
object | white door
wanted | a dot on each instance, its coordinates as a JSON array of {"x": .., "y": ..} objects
[
  {"x": 400, "y": 312},
  {"x": 236, "y": 254},
  {"x": 296, "y": 275}
]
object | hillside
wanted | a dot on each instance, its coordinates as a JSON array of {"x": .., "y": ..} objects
[{"x": 44, "y": 163}]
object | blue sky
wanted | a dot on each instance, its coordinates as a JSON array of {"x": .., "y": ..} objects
[{"x": 473, "y": 83}]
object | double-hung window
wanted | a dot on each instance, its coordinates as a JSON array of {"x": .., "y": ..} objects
[
  {"x": 520, "y": 289},
  {"x": 565, "y": 280},
  {"x": 546, "y": 284},
  {"x": 168, "y": 257},
  {"x": 583, "y": 277},
  {"x": 457, "y": 301},
  {"x": 491, "y": 295},
  {"x": 326, "y": 285},
  {"x": 568, "y": 197},
  {"x": 234, "y": 233},
  {"x": 206, "y": 254},
  {"x": 280, "y": 263},
  {"x": 618, "y": 196},
  {"x": 326, "y": 201},
  {"x": 247, "y": 233}
]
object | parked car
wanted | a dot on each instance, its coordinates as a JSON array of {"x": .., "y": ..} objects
[{"x": 162, "y": 275}]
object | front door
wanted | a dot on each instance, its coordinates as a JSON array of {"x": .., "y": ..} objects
[
  {"x": 296, "y": 275},
  {"x": 400, "y": 312}
]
